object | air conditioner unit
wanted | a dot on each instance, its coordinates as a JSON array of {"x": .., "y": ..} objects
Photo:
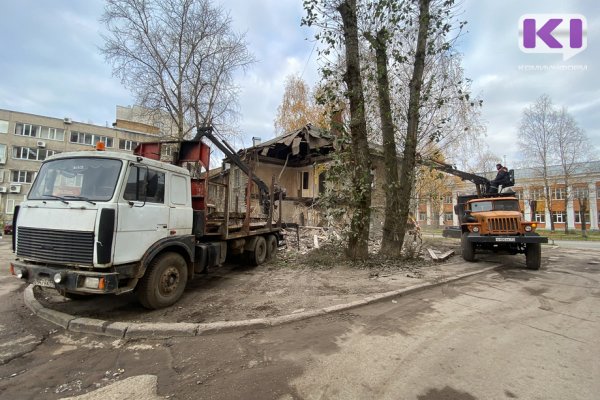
[
  {"x": 15, "y": 188},
  {"x": 41, "y": 144},
  {"x": 67, "y": 120},
  {"x": 3, "y": 190}
]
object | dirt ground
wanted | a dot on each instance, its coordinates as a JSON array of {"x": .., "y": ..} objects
[{"x": 297, "y": 280}]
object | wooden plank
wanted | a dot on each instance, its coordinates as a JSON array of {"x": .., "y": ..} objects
[
  {"x": 432, "y": 254},
  {"x": 445, "y": 255}
]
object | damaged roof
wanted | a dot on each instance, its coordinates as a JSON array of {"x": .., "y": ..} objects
[{"x": 298, "y": 145}]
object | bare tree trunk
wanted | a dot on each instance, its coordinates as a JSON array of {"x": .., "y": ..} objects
[
  {"x": 390, "y": 245},
  {"x": 361, "y": 171},
  {"x": 548, "y": 201},
  {"x": 567, "y": 198},
  {"x": 582, "y": 211},
  {"x": 410, "y": 145}
]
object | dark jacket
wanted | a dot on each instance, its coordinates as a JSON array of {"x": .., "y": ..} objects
[{"x": 502, "y": 177}]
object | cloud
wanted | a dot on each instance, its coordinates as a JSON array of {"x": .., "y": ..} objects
[{"x": 498, "y": 68}]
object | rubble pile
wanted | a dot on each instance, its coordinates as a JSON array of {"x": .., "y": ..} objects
[{"x": 323, "y": 248}]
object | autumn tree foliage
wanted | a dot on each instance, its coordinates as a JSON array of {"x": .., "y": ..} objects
[
  {"x": 413, "y": 90},
  {"x": 299, "y": 107}
]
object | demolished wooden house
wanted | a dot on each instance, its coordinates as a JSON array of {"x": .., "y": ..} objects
[{"x": 295, "y": 162}]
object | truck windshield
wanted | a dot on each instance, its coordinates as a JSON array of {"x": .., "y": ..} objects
[
  {"x": 497, "y": 205},
  {"x": 506, "y": 205},
  {"x": 481, "y": 206},
  {"x": 76, "y": 179}
]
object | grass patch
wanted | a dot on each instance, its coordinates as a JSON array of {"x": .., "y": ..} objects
[{"x": 572, "y": 235}]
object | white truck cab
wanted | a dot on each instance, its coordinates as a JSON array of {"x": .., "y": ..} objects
[{"x": 91, "y": 218}]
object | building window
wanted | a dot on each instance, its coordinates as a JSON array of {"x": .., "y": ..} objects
[
  {"x": 28, "y": 153},
  {"x": 448, "y": 216},
  {"x": 580, "y": 193},
  {"x": 448, "y": 199},
  {"x": 22, "y": 176},
  {"x": 422, "y": 216},
  {"x": 558, "y": 193},
  {"x": 128, "y": 145},
  {"x": 559, "y": 216},
  {"x": 578, "y": 217},
  {"x": 52, "y": 133},
  {"x": 537, "y": 194},
  {"x": 322, "y": 179},
  {"x": 10, "y": 206},
  {"x": 305, "y": 180},
  {"x": 3, "y": 126},
  {"x": 166, "y": 150},
  {"x": 540, "y": 217},
  {"x": 26, "y": 129},
  {"x": 90, "y": 139},
  {"x": 2, "y": 154}
]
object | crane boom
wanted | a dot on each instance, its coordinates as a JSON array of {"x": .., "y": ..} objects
[{"x": 481, "y": 183}]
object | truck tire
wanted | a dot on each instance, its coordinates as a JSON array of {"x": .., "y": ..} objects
[
  {"x": 164, "y": 281},
  {"x": 533, "y": 255},
  {"x": 259, "y": 254},
  {"x": 271, "y": 246},
  {"x": 468, "y": 248}
]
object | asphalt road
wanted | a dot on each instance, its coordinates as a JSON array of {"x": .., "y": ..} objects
[{"x": 501, "y": 335}]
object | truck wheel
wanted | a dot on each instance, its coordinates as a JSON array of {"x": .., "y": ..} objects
[
  {"x": 533, "y": 255},
  {"x": 259, "y": 255},
  {"x": 271, "y": 246},
  {"x": 468, "y": 248},
  {"x": 164, "y": 281}
]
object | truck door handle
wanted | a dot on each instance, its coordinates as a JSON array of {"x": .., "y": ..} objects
[{"x": 163, "y": 226}]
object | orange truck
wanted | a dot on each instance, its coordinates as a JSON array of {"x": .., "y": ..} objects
[
  {"x": 492, "y": 221},
  {"x": 495, "y": 222}
]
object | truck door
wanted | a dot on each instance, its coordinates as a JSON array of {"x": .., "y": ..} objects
[
  {"x": 143, "y": 216},
  {"x": 180, "y": 204}
]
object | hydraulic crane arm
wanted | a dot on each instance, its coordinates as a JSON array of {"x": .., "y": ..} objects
[
  {"x": 481, "y": 183},
  {"x": 234, "y": 158}
]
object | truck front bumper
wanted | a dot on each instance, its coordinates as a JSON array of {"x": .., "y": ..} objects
[
  {"x": 63, "y": 279},
  {"x": 499, "y": 239}
]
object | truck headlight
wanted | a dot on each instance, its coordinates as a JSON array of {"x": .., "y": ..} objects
[
  {"x": 94, "y": 283},
  {"x": 58, "y": 277},
  {"x": 475, "y": 229},
  {"x": 528, "y": 228},
  {"x": 20, "y": 272}
]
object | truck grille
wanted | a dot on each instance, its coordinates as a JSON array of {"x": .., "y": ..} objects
[
  {"x": 68, "y": 247},
  {"x": 503, "y": 225}
]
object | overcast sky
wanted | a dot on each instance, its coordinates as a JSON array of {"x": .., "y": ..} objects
[{"x": 51, "y": 65}]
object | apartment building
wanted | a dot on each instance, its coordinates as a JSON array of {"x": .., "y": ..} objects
[{"x": 27, "y": 139}]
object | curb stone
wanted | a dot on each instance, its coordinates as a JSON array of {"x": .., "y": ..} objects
[{"x": 163, "y": 330}]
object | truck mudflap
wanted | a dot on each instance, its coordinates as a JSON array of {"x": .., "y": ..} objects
[
  {"x": 68, "y": 280},
  {"x": 505, "y": 239}
]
